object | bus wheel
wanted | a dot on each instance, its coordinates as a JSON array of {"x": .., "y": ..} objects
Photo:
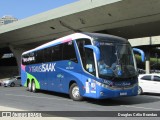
[
  {"x": 74, "y": 93},
  {"x": 29, "y": 86},
  {"x": 140, "y": 91},
  {"x": 34, "y": 87}
]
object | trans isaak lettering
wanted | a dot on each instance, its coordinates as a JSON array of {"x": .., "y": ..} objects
[{"x": 43, "y": 68}]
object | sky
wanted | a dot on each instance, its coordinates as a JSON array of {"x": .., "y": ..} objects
[{"x": 21, "y": 9}]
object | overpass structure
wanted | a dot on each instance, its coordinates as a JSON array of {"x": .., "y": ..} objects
[
  {"x": 147, "y": 43},
  {"x": 125, "y": 18}
]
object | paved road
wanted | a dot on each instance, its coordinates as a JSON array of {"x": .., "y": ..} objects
[{"x": 18, "y": 97}]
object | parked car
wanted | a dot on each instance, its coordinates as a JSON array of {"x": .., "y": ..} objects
[
  {"x": 149, "y": 83},
  {"x": 13, "y": 81}
]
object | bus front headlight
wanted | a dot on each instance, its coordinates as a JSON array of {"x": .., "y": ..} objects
[{"x": 102, "y": 84}]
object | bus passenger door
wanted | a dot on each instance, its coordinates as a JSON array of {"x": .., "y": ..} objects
[
  {"x": 88, "y": 67},
  {"x": 54, "y": 78},
  {"x": 59, "y": 80}
]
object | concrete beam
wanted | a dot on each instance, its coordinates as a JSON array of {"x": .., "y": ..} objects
[
  {"x": 153, "y": 40},
  {"x": 70, "y": 9}
]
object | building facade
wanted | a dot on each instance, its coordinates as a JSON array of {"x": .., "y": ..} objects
[{"x": 7, "y": 19}]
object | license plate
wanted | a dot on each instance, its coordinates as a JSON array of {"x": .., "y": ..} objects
[{"x": 123, "y": 93}]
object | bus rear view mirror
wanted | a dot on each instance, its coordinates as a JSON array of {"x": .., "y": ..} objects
[
  {"x": 95, "y": 49},
  {"x": 141, "y": 52}
]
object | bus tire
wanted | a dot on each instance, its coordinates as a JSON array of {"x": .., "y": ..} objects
[
  {"x": 34, "y": 87},
  {"x": 29, "y": 86},
  {"x": 74, "y": 92},
  {"x": 140, "y": 91}
]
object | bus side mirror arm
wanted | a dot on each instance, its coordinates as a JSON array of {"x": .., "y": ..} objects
[
  {"x": 141, "y": 52},
  {"x": 95, "y": 50}
]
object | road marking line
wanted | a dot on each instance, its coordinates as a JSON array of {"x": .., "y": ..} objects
[
  {"x": 36, "y": 97},
  {"x": 140, "y": 107}
]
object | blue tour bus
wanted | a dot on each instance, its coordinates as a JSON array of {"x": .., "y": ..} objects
[{"x": 90, "y": 65}]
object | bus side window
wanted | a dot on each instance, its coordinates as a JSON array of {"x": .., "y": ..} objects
[
  {"x": 69, "y": 52},
  {"x": 80, "y": 44},
  {"x": 32, "y": 58},
  {"x": 89, "y": 58},
  {"x": 48, "y": 54},
  {"x": 24, "y": 59},
  {"x": 56, "y": 53},
  {"x": 39, "y": 56},
  {"x": 86, "y": 55}
]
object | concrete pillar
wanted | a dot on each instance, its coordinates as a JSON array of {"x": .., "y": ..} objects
[
  {"x": 17, "y": 53},
  {"x": 147, "y": 64}
]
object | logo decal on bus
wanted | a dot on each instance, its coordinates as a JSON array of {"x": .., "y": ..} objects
[
  {"x": 43, "y": 68},
  {"x": 69, "y": 66},
  {"x": 60, "y": 76},
  {"x": 90, "y": 86},
  {"x": 28, "y": 59}
]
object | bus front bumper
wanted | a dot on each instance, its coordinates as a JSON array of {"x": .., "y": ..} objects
[{"x": 103, "y": 93}]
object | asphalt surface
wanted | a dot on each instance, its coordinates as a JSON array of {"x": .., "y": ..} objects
[{"x": 19, "y": 98}]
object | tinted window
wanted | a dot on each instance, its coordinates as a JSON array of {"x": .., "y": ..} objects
[
  {"x": 32, "y": 58},
  {"x": 157, "y": 78},
  {"x": 86, "y": 55},
  {"x": 81, "y": 43},
  {"x": 147, "y": 77},
  {"x": 69, "y": 52},
  {"x": 89, "y": 61},
  {"x": 39, "y": 56},
  {"x": 56, "y": 53},
  {"x": 48, "y": 54},
  {"x": 25, "y": 59},
  {"x": 28, "y": 59},
  {"x": 51, "y": 54}
]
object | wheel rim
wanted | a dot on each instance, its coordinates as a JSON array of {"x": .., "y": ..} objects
[
  {"x": 75, "y": 92},
  {"x": 12, "y": 84},
  {"x": 139, "y": 90},
  {"x": 33, "y": 86},
  {"x": 29, "y": 86}
]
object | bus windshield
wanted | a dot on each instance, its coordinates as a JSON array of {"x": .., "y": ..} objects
[{"x": 116, "y": 60}]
